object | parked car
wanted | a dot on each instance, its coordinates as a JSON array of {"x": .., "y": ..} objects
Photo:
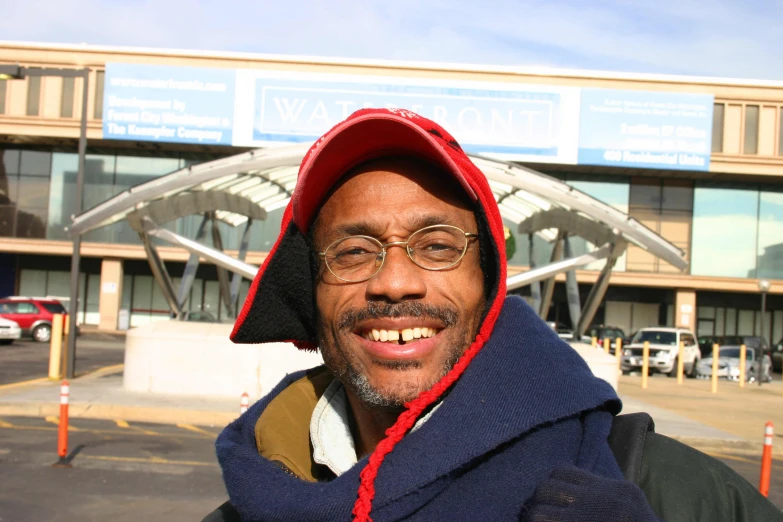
[
  {"x": 601, "y": 332},
  {"x": 750, "y": 341},
  {"x": 32, "y": 314},
  {"x": 706, "y": 342},
  {"x": 664, "y": 347},
  {"x": 777, "y": 356},
  {"x": 198, "y": 316},
  {"x": 9, "y": 331},
  {"x": 729, "y": 365}
]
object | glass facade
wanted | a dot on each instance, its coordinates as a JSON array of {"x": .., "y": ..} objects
[
  {"x": 770, "y": 235},
  {"x": 725, "y": 230},
  {"x": 613, "y": 193},
  {"x": 737, "y": 231}
]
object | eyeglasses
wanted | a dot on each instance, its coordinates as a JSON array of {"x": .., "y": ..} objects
[{"x": 355, "y": 259}]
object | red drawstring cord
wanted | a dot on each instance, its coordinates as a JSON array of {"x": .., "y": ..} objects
[{"x": 406, "y": 420}]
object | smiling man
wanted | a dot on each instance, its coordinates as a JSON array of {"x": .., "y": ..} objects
[{"x": 440, "y": 398}]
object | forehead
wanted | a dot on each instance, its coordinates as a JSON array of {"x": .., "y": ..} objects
[{"x": 393, "y": 196}]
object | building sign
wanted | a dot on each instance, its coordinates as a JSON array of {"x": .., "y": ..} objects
[
  {"x": 642, "y": 129},
  {"x": 509, "y": 121},
  {"x": 169, "y": 104}
]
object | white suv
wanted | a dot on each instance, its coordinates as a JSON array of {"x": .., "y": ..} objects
[{"x": 664, "y": 347}]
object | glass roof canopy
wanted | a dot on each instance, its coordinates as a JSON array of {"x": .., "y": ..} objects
[{"x": 240, "y": 189}]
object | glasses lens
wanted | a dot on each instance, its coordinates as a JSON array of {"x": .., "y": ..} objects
[
  {"x": 437, "y": 247},
  {"x": 354, "y": 258}
]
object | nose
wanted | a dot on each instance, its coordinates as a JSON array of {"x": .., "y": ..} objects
[{"x": 398, "y": 280}]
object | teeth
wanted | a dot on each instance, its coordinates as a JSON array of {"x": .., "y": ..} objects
[{"x": 393, "y": 336}]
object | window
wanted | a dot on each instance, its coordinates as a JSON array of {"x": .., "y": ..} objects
[
  {"x": 770, "y": 234},
  {"x": 724, "y": 231},
  {"x": 98, "y": 112},
  {"x": 66, "y": 99},
  {"x": 2, "y": 96},
  {"x": 717, "y": 127},
  {"x": 751, "y": 129},
  {"x": 33, "y": 95},
  {"x": 19, "y": 308},
  {"x": 665, "y": 206},
  {"x": 54, "y": 308}
]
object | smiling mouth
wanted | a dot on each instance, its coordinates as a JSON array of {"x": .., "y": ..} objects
[{"x": 406, "y": 335}]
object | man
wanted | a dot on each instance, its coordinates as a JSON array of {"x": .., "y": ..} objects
[{"x": 440, "y": 398}]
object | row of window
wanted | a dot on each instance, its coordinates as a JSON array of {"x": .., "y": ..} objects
[
  {"x": 67, "y": 96},
  {"x": 749, "y": 129}
]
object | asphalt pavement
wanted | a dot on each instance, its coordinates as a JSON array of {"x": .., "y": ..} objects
[
  {"x": 25, "y": 359},
  {"x": 120, "y": 471}
]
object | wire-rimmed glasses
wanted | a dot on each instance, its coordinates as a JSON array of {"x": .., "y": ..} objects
[{"x": 355, "y": 259}]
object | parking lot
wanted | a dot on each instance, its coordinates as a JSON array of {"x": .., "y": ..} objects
[
  {"x": 121, "y": 471},
  {"x": 26, "y": 359}
]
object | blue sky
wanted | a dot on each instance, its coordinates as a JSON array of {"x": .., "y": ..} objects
[{"x": 729, "y": 38}]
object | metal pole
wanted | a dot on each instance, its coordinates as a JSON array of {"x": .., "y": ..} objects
[
  {"x": 73, "y": 308},
  {"x": 761, "y": 340}
]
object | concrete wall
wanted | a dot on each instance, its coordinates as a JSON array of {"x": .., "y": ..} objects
[{"x": 177, "y": 357}]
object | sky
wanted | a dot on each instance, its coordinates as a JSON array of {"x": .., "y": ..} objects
[{"x": 724, "y": 38}]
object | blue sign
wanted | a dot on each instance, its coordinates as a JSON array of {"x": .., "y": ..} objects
[
  {"x": 514, "y": 119},
  {"x": 169, "y": 104},
  {"x": 639, "y": 129},
  {"x": 511, "y": 121}
]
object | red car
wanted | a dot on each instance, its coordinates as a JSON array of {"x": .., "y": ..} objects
[{"x": 33, "y": 314}]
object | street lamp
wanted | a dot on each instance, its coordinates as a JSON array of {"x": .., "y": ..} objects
[
  {"x": 17, "y": 72},
  {"x": 764, "y": 286}
]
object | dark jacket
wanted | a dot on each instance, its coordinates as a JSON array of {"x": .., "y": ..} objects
[
  {"x": 527, "y": 404},
  {"x": 680, "y": 483}
]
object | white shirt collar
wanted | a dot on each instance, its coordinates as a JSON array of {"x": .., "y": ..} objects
[{"x": 330, "y": 433}]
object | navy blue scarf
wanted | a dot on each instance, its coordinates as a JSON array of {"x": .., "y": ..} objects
[{"x": 526, "y": 404}]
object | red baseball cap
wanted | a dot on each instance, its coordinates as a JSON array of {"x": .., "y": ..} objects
[{"x": 365, "y": 135}]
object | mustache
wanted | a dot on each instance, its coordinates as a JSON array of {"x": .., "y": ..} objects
[{"x": 446, "y": 315}]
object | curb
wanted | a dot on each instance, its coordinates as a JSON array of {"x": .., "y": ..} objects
[
  {"x": 738, "y": 446},
  {"x": 114, "y": 411}
]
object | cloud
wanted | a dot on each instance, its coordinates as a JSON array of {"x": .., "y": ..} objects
[{"x": 721, "y": 38}]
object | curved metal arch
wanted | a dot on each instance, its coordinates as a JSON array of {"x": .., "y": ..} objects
[{"x": 163, "y": 211}]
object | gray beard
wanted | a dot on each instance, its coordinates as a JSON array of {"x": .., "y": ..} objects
[
  {"x": 341, "y": 365},
  {"x": 366, "y": 393}
]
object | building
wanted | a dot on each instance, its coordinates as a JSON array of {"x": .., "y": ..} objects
[{"x": 697, "y": 160}]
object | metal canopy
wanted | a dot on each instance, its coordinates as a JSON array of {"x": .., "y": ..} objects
[{"x": 246, "y": 187}]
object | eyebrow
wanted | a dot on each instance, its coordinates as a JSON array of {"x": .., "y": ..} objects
[{"x": 375, "y": 229}]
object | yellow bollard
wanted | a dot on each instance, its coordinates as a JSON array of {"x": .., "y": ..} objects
[
  {"x": 66, "y": 327},
  {"x": 743, "y": 365},
  {"x": 55, "y": 347},
  {"x": 606, "y": 345},
  {"x": 715, "y": 356},
  {"x": 681, "y": 363},
  {"x": 645, "y": 363},
  {"x": 618, "y": 351},
  {"x": 593, "y": 342}
]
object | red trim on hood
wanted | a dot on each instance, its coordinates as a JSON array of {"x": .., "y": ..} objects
[{"x": 251, "y": 294}]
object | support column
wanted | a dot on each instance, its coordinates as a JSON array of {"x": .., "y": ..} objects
[
  {"x": 549, "y": 284},
  {"x": 572, "y": 289},
  {"x": 535, "y": 287},
  {"x": 111, "y": 293},
  {"x": 685, "y": 308}
]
